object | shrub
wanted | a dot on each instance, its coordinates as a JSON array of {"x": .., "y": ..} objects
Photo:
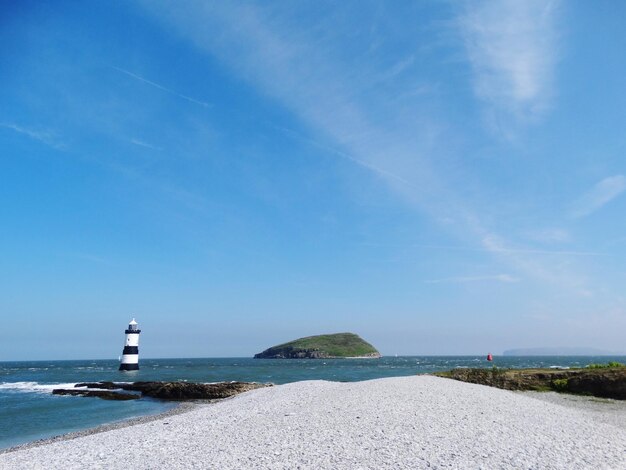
[
  {"x": 560, "y": 385},
  {"x": 605, "y": 366}
]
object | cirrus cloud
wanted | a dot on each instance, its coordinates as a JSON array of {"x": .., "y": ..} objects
[
  {"x": 511, "y": 47},
  {"x": 598, "y": 196}
]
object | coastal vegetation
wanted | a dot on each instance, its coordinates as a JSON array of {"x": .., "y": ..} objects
[
  {"x": 607, "y": 381},
  {"x": 608, "y": 365},
  {"x": 560, "y": 385},
  {"x": 338, "y": 345}
]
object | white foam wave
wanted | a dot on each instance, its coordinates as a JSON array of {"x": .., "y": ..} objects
[{"x": 34, "y": 386}]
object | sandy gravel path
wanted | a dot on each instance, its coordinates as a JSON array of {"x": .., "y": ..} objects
[{"x": 408, "y": 422}]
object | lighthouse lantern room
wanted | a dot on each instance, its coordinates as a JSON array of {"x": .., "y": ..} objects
[{"x": 130, "y": 355}]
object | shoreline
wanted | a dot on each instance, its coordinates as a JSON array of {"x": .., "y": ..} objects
[
  {"x": 568, "y": 400},
  {"x": 403, "y": 422},
  {"x": 181, "y": 408}
]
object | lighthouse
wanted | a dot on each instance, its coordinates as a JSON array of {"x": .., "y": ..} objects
[{"x": 130, "y": 355}]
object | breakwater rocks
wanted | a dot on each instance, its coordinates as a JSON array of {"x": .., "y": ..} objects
[
  {"x": 162, "y": 390},
  {"x": 604, "y": 382}
]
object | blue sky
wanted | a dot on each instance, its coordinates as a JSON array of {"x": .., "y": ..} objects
[{"x": 439, "y": 177}]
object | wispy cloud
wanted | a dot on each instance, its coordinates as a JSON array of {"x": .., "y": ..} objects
[
  {"x": 501, "y": 249},
  {"x": 141, "y": 143},
  {"x": 287, "y": 63},
  {"x": 511, "y": 46},
  {"x": 598, "y": 196},
  {"x": 467, "y": 279},
  {"x": 549, "y": 235},
  {"x": 397, "y": 69},
  {"x": 161, "y": 87},
  {"x": 493, "y": 247},
  {"x": 46, "y": 136},
  {"x": 512, "y": 53},
  {"x": 369, "y": 166},
  {"x": 534, "y": 264}
]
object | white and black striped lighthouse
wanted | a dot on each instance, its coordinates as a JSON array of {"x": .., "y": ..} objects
[{"x": 130, "y": 355}]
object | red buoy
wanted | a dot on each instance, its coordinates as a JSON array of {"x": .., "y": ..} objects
[{"x": 489, "y": 357}]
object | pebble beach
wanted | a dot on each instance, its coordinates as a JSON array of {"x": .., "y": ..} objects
[{"x": 405, "y": 422}]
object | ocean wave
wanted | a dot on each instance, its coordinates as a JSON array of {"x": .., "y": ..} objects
[{"x": 34, "y": 386}]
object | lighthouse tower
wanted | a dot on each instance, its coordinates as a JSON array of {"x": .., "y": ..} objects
[{"x": 130, "y": 355}]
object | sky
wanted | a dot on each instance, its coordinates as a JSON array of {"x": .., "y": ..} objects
[{"x": 439, "y": 177}]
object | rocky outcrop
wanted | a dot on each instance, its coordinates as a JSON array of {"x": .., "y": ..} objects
[
  {"x": 161, "y": 390},
  {"x": 607, "y": 383},
  {"x": 192, "y": 391},
  {"x": 604, "y": 383},
  {"x": 104, "y": 394}
]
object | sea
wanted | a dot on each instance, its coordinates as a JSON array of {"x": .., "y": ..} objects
[{"x": 29, "y": 411}]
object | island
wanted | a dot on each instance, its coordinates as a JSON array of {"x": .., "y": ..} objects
[{"x": 338, "y": 345}]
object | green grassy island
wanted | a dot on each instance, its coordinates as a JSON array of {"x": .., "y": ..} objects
[{"x": 337, "y": 345}]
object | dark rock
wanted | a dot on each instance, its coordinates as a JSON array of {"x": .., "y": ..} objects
[
  {"x": 104, "y": 385},
  {"x": 191, "y": 390},
  {"x": 104, "y": 394},
  {"x": 611, "y": 383},
  {"x": 179, "y": 390},
  {"x": 605, "y": 382}
]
